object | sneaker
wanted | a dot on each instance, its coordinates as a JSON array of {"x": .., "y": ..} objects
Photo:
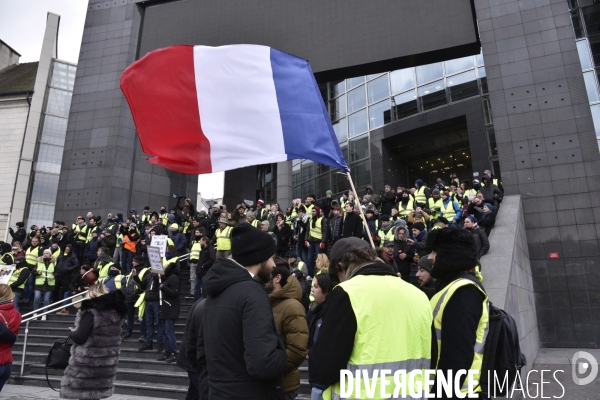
[
  {"x": 145, "y": 347},
  {"x": 142, "y": 339},
  {"x": 160, "y": 348},
  {"x": 172, "y": 358},
  {"x": 127, "y": 336},
  {"x": 164, "y": 357},
  {"x": 43, "y": 317}
]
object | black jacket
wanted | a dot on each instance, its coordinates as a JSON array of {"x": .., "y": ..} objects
[
  {"x": 404, "y": 265},
  {"x": 246, "y": 357},
  {"x": 208, "y": 256},
  {"x": 66, "y": 265},
  {"x": 23, "y": 275},
  {"x": 189, "y": 357},
  {"x": 352, "y": 226},
  {"x": 170, "y": 293},
  {"x": 388, "y": 200},
  {"x": 482, "y": 244},
  {"x": 18, "y": 236}
]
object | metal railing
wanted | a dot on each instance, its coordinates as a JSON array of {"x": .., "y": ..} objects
[{"x": 36, "y": 314}]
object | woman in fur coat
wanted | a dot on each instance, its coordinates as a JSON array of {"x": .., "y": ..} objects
[{"x": 95, "y": 353}]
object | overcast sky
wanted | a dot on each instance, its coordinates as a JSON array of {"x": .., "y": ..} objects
[{"x": 22, "y": 24}]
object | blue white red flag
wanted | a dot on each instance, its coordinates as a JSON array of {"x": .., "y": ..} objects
[{"x": 200, "y": 109}]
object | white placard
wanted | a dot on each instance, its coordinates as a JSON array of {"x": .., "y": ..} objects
[
  {"x": 5, "y": 272},
  {"x": 155, "y": 260},
  {"x": 160, "y": 241}
]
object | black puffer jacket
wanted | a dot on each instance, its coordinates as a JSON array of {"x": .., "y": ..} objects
[
  {"x": 170, "y": 292},
  {"x": 66, "y": 265},
  {"x": 246, "y": 358},
  {"x": 482, "y": 244}
]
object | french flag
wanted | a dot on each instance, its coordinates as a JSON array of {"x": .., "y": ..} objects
[{"x": 201, "y": 109}]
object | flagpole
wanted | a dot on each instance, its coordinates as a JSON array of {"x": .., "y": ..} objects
[{"x": 361, "y": 210}]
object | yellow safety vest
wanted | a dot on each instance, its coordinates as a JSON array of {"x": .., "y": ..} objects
[
  {"x": 15, "y": 277},
  {"x": 431, "y": 203},
  {"x": 448, "y": 211},
  {"x": 224, "y": 239},
  {"x": 405, "y": 212},
  {"x": 195, "y": 252},
  {"x": 11, "y": 257},
  {"x": 145, "y": 219},
  {"x": 31, "y": 255},
  {"x": 419, "y": 195},
  {"x": 117, "y": 280},
  {"x": 385, "y": 236},
  {"x": 119, "y": 239},
  {"x": 46, "y": 273},
  {"x": 344, "y": 206},
  {"x": 255, "y": 224},
  {"x": 438, "y": 305},
  {"x": 83, "y": 234},
  {"x": 164, "y": 217},
  {"x": 56, "y": 254},
  {"x": 103, "y": 271},
  {"x": 471, "y": 192},
  {"x": 309, "y": 208},
  {"x": 315, "y": 231},
  {"x": 186, "y": 226},
  {"x": 401, "y": 310}
]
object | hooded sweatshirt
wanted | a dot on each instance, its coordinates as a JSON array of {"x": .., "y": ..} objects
[
  {"x": 247, "y": 357},
  {"x": 290, "y": 318}
]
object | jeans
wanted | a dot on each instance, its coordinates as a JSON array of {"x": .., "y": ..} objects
[
  {"x": 117, "y": 255},
  {"x": 38, "y": 295},
  {"x": 29, "y": 286},
  {"x": 193, "y": 392},
  {"x": 126, "y": 260},
  {"x": 198, "y": 288},
  {"x": 170, "y": 340},
  {"x": 65, "y": 296},
  {"x": 131, "y": 313},
  {"x": 5, "y": 371},
  {"x": 193, "y": 278},
  {"x": 316, "y": 394},
  {"x": 301, "y": 251},
  {"x": 313, "y": 251},
  {"x": 151, "y": 313},
  {"x": 16, "y": 300}
]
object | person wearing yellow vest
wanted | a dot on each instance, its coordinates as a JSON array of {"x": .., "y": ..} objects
[
  {"x": 421, "y": 194},
  {"x": 460, "y": 307},
  {"x": 450, "y": 209},
  {"x": 195, "y": 249},
  {"x": 80, "y": 233},
  {"x": 114, "y": 279},
  {"x": 386, "y": 231},
  {"x": 18, "y": 279},
  {"x": 44, "y": 279},
  {"x": 223, "y": 238},
  {"x": 491, "y": 178},
  {"x": 316, "y": 239},
  {"x": 356, "y": 335},
  {"x": 434, "y": 204},
  {"x": 251, "y": 218},
  {"x": 103, "y": 263},
  {"x": 405, "y": 205},
  {"x": 6, "y": 257},
  {"x": 132, "y": 288}
]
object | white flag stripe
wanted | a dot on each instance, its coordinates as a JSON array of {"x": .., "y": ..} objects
[{"x": 238, "y": 107}]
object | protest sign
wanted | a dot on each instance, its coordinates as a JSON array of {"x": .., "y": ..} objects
[
  {"x": 5, "y": 272},
  {"x": 155, "y": 260},
  {"x": 160, "y": 241}
]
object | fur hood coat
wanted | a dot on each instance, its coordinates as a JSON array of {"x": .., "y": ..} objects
[{"x": 93, "y": 365}]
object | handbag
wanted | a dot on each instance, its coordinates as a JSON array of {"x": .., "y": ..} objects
[{"x": 58, "y": 357}]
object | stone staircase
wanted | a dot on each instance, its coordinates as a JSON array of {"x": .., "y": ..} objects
[{"x": 139, "y": 373}]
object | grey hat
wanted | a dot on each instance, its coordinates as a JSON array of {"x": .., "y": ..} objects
[
  {"x": 342, "y": 247},
  {"x": 425, "y": 264},
  {"x": 388, "y": 243}
]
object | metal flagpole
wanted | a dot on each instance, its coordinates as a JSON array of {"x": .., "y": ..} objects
[{"x": 361, "y": 210}]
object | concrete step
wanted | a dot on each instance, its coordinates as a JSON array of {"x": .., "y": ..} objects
[{"x": 63, "y": 331}]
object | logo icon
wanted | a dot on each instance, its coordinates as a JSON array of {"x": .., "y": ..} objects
[{"x": 581, "y": 367}]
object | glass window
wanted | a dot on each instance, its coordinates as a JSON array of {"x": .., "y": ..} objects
[
  {"x": 49, "y": 158},
  {"x": 573, "y": 4},
  {"x": 379, "y": 114},
  {"x": 402, "y": 79},
  {"x": 63, "y": 75},
  {"x": 591, "y": 17},
  {"x": 308, "y": 170},
  {"x": 576, "y": 21},
  {"x": 322, "y": 168},
  {"x": 492, "y": 140},
  {"x": 590, "y": 85},
  {"x": 462, "y": 86},
  {"x": 350, "y": 83},
  {"x": 432, "y": 95},
  {"x": 59, "y": 102},
  {"x": 357, "y": 123},
  {"x": 596, "y": 117},
  {"x": 296, "y": 179},
  {"x": 459, "y": 64},
  {"x": 308, "y": 188},
  {"x": 44, "y": 187},
  {"x": 361, "y": 174},
  {"x": 54, "y": 130},
  {"x": 296, "y": 193},
  {"x": 487, "y": 111},
  {"x": 369, "y": 77},
  {"x": 359, "y": 148},
  {"x": 404, "y": 105},
  {"x": 378, "y": 89},
  {"x": 323, "y": 185},
  {"x": 337, "y": 108},
  {"x": 479, "y": 59},
  {"x": 357, "y": 99},
  {"x": 341, "y": 129},
  {"x": 338, "y": 181},
  {"x": 344, "y": 148},
  {"x": 584, "y": 54},
  {"x": 595, "y": 49},
  {"x": 40, "y": 214},
  {"x": 483, "y": 79},
  {"x": 426, "y": 73},
  {"x": 336, "y": 88}
]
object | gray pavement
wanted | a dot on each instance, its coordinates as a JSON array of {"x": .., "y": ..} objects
[{"x": 19, "y": 392}]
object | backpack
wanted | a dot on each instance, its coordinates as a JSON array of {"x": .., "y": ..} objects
[{"x": 502, "y": 353}]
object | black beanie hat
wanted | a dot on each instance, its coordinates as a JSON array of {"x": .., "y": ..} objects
[
  {"x": 455, "y": 251},
  {"x": 342, "y": 247},
  {"x": 139, "y": 260},
  {"x": 419, "y": 226},
  {"x": 251, "y": 246}
]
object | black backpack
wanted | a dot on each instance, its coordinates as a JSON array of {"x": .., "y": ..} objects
[{"x": 502, "y": 353}]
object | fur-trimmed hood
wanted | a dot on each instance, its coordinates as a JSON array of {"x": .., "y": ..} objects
[
  {"x": 110, "y": 301},
  {"x": 41, "y": 259}
]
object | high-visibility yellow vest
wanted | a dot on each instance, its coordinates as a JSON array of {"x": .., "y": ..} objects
[
  {"x": 419, "y": 195},
  {"x": 385, "y": 236},
  {"x": 31, "y": 255},
  {"x": 255, "y": 224},
  {"x": 288, "y": 220},
  {"x": 448, "y": 211},
  {"x": 438, "y": 304},
  {"x": 223, "y": 239},
  {"x": 309, "y": 208},
  {"x": 103, "y": 271},
  {"x": 15, "y": 277},
  {"x": 431, "y": 204},
  {"x": 195, "y": 252},
  {"x": 471, "y": 193},
  {"x": 46, "y": 273},
  {"x": 186, "y": 226},
  {"x": 405, "y": 211},
  {"x": 164, "y": 218},
  {"x": 11, "y": 257},
  {"x": 119, "y": 239},
  {"x": 315, "y": 231},
  {"x": 402, "y": 311},
  {"x": 56, "y": 254},
  {"x": 344, "y": 206},
  {"x": 83, "y": 233},
  {"x": 117, "y": 280},
  {"x": 145, "y": 219}
]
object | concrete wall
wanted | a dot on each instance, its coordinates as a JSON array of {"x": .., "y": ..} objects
[
  {"x": 549, "y": 155},
  {"x": 7, "y": 56},
  {"x": 507, "y": 275}
]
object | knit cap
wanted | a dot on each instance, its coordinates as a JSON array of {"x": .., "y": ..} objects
[{"x": 251, "y": 246}]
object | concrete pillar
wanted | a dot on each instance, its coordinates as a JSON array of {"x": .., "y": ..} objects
[{"x": 284, "y": 183}]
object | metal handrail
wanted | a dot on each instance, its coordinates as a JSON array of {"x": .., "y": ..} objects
[{"x": 36, "y": 316}]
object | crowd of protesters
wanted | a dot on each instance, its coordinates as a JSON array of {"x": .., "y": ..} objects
[{"x": 52, "y": 264}]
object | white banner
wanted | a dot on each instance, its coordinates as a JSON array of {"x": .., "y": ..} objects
[
  {"x": 155, "y": 260},
  {"x": 5, "y": 272},
  {"x": 160, "y": 241}
]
